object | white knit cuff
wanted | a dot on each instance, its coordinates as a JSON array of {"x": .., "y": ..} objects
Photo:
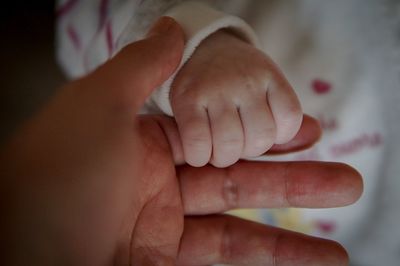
[{"x": 198, "y": 22}]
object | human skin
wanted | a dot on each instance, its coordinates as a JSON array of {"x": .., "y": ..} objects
[
  {"x": 87, "y": 181},
  {"x": 231, "y": 101}
]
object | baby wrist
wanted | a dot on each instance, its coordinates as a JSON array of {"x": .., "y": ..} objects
[{"x": 198, "y": 21}]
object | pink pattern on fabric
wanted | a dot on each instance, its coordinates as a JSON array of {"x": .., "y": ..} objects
[
  {"x": 103, "y": 12},
  {"x": 357, "y": 144},
  {"x": 73, "y": 36},
  {"x": 64, "y": 9},
  {"x": 320, "y": 86},
  {"x": 326, "y": 227},
  {"x": 328, "y": 123},
  {"x": 109, "y": 38}
]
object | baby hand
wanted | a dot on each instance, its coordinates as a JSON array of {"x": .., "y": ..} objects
[{"x": 231, "y": 101}]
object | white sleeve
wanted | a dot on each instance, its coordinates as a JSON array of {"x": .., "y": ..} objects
[{"x": 198, "y": 22}]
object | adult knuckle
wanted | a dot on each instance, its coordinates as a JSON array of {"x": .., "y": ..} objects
[{"x": 229, "y": 191}]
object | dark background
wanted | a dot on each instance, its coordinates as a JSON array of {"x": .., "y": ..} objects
[{"x": 29, "y": 74}]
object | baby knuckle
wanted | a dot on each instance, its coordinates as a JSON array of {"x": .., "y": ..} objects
[
  {"x": 262, "y": 144},
  {"x": 267, "y": 134},
  {"x": 290, "y": 119},
  {"x": 294, "y": 111},
  {"x": 262, "y": 141},
  {"x": 196, "y": 141},
  {"x": 230, "y": 143}
]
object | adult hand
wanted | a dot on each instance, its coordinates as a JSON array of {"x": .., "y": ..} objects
[{"x": 89, "y": 182}]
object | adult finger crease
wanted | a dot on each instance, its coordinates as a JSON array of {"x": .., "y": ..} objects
[{"x": 226, "y": 245}]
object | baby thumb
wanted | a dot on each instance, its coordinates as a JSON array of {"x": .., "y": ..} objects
[{"x": 142, "y": 66}]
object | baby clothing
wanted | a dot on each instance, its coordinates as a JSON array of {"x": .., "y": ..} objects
[{"x": 340, "y": 56}]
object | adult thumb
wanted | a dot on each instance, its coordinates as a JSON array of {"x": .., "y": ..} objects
[{"x": 129, "y": 77}]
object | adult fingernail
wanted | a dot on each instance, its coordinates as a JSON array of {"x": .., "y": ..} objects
[{"x": 162, "y": 26}]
